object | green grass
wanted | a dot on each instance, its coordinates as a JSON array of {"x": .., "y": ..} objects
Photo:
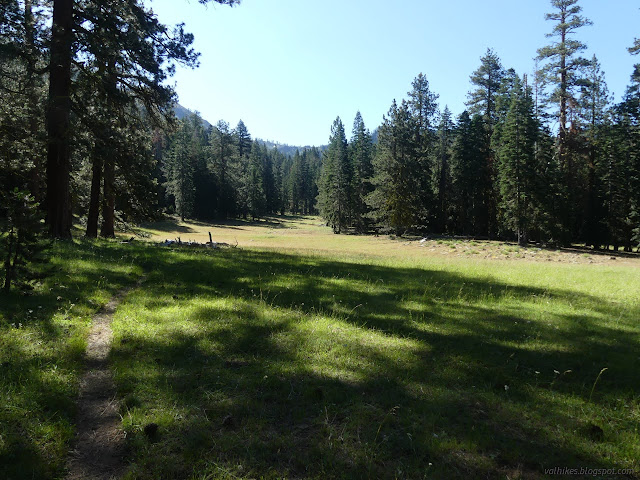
[
  {"x": 330, "y": 363},
  {"x": 42, "y": 340}
]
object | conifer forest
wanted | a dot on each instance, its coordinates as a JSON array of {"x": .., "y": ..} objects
[
  {"x": 88, "y": 134},
  {"x": 448, "y": 291}
]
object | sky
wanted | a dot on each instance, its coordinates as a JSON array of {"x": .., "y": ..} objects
[{"x": 288, "y": 68}]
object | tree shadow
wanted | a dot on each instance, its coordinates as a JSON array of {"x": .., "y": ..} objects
[
  {"x": 168, "y": 225},
  {"x": 42, "y": 345},
  {"x": 310, "y": 368}
]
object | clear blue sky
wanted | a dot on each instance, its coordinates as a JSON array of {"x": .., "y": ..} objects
[{"x": 287, "y": 68}]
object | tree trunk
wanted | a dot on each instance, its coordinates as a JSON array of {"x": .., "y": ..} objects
[
  {"x": 108, "y": 199},
  {"x": 109, "y": 165},
  {"x": 94, "y": 202},
  {"x": 523, "y": 238},
  {"x": 35, "y": 182},
  {"x": 7, "y": 262},
  {"x": 58, "y": 122}
]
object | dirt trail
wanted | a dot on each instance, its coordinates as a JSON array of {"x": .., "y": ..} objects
[{"x": 99, "y": 443}]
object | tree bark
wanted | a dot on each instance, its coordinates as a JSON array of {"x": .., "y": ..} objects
[
  {"x": 109, "y": 165},
  {"x": 94, "y": 202},
  {"x": 58, "y": 199},
  {"x": 108, "y": 199},
  {"x": 7, "y": 262},
  {"x": 35, "y": 183}
]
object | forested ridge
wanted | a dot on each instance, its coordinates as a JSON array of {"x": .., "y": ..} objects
[{"x": 88, "y": 135}]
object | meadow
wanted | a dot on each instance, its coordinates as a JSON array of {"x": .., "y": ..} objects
[{"x": 303, "y": 354}]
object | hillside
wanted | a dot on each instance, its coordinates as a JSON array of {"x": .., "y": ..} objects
[{"x": 288, "y": 150}]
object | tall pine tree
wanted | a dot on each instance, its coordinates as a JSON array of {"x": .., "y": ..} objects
[
  {"x": 335, "y": 190},
  {"x": 361, "y": 153},
  {"x": 515, "y": 148}
]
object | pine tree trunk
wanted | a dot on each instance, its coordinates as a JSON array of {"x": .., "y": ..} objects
[
  {"x": 94, "y": 202},
  {"x": 109, "y": 166},
  {"x": 108, "y": 199},
  {"x": 58, "y": 199},
  {"x": 32, "y": 98},
  {"x": 523, "y": 238},
  {"x": 7, "y": 262}
]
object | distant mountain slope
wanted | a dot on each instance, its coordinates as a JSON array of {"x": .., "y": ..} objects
[
  {"x": 289, "y": 150},
  {"x": 183, "y": 112}
]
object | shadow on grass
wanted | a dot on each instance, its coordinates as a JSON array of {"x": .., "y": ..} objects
[
  {"x": 310, "y": 368},
  {"x": 168, "y": 225},
  {"x": 41, "y": 353}
]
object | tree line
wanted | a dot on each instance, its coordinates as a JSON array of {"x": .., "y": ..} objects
[
  {"x": 82, "y": 94},
  {"x": 87, "y": 135},
  {"x": 547, "y": 158},
  {"x": 220, "y": 172}
]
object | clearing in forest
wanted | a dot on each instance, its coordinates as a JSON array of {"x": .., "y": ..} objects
[{"x": 303, "y": 354}]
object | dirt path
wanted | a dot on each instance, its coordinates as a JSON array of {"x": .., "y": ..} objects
[{"x": 99, "y": 444}]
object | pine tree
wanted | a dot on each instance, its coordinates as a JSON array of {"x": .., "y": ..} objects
[
  {"x": 313, "y": 167},
  {"x": 487, "y": 79},
  {"x": 515, "y": 150},
  {"x": 442, "y": 170},
  {"x": 625, "y": 179},
  {"x": 334, "y": 198},
  {"x": 222, "y": 149},
  {"x": 243, "y": 140},
  {"x": 253, "y": 184},
  {"x": 21, "y": 140},
  {"x": 395, "y": 202},
  {"x": 467, "y": 166},
  {"x": 594, "y": 103},
  {"x": 141, "y": 52},
  {"x": 361, "y": 153},
  {"x": 179, "y": 171},
  {"x": 547, "y": 195},
  {"x": 562, "y": 70},
  {"x": 423, "y": 107},
  {"x": 269, "y": 180}
]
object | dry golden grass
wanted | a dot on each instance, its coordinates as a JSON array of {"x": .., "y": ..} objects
[{"x": 309, "y": 235}]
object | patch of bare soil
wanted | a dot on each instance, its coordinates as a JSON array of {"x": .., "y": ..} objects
[
  {"x": 99, "y": 444},
  {"x": 505, "y": 251}
]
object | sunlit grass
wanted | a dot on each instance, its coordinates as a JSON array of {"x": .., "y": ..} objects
[
  {"x": 303, "y": 354},
  {"x": 42, "y": 340},
  {"x": 258, "y": 364}
]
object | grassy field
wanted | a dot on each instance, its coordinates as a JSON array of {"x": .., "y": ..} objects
[{"x": 302, "y": 354}]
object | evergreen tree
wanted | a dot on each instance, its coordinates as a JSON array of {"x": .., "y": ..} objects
[
  {"x": 623, "y": 174},
  {"x": 397, "y": 193},
  {"x": 515, "y": 148},
  {"x": 313, "y": 168},
  {"x": 594, "y": 103},
  {"x": 562, "y": 67},
  {"x": 423, "y": 107},
  {"x": 334, "y": 198},
  {"x": 361, "y": 152},
  {"x": 269, "y": 180},
  {"x": 222, "y": 149},
  {"x": 243, "y": 140},
  {"x": 253, "y": 184},
  {"x": 562, "y": 70},
  {"x": 180, "y": 169},
  {"x": 140, "y": 51},
  {"x": 487, "y": 79},
  {"x": 442, "y": 170},
  {"x": 21, "y": 140},
  {"x": 548, "y": 192},
  {"x": 467, "y": 166}
]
